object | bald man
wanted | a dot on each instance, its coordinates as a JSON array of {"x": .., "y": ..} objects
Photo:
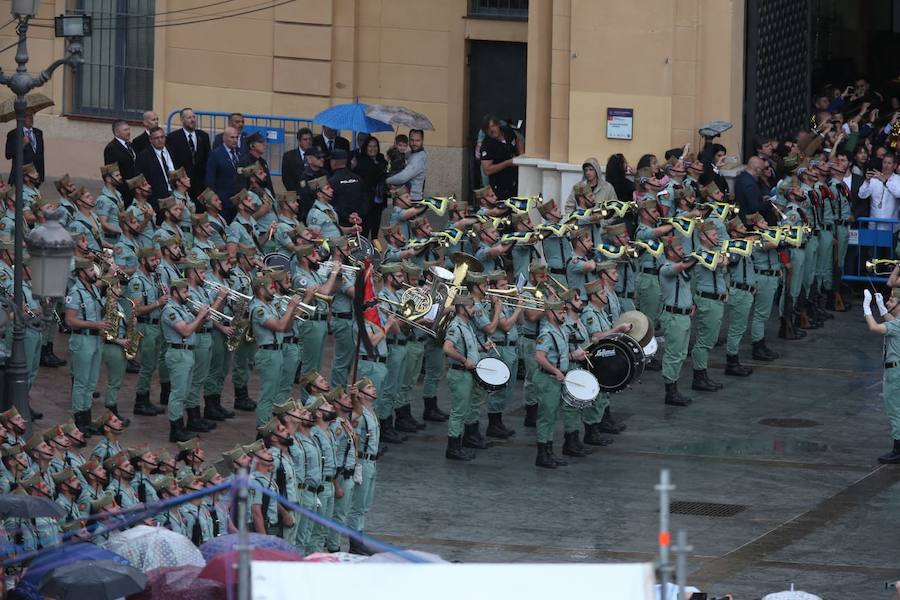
[
  {"x": 749, "y": 194},
  {"x": 142, "y": 142}
]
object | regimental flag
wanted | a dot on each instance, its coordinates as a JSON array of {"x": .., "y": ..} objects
[
  {"x": 614, "y": 208},
  {"x": 741, "y": 247},
  {"x": 654, "y": 247},
  {"x": 437, "y": 204},
  {"x": 452, "y": 235},
  {"x": 611, "y": 251},
  {"x": 793, "y": 236},
  {"x": 708, "y": 259},
  {"x": 683, "y": 225},
  {"x": 520, "y": 205},
  {"x": 553, "y": 229},
  {"x": 772, "y": 235}
]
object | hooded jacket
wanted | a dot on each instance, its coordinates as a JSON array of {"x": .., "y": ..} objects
[{"x": 603, "y": 190}]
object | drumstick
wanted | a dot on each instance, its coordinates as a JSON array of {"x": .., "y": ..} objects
[{"x": 488, "y": 369}]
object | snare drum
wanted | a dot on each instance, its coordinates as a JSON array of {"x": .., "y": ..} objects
[
  {"x": 580, "y": 388},
  {"x": 616, "y": 361},
  {"x": 277, "y": 260},
  {"x": 491, "y": 374}
]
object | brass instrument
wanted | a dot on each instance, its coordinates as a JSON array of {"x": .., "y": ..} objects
[
  {"x": 233, "y": 295},
  {"x": 241, "y": 325},
  {"x": 302, "y": 292},
  {"x": 462, "y": 264},
  {"x": 406, "y": 320},
  {"x": 303, "y": 311},
  {"x": 881, "y": 266},
  {"x": 346, "y": 270},
  {"x": 112, "y": 315},
  {"x": 510, "y": 297},
  {"x": 132, "y": 334},
  {"x": 218, "y": 317},
  {"x": 439, "y": 284}
]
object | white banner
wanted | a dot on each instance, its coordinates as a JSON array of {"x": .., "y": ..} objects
[{"x": 448, "y": 581}]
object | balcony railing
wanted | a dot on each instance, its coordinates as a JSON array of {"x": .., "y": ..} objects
[{"x": 509, "y": 10}]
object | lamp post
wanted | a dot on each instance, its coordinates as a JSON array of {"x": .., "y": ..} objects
[{"x": 46, "y": 243}]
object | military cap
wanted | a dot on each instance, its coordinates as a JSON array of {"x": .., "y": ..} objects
[
  {"x": 261, "y": 280},
  {"x": 536, "y": 267},
  {"x": 277, "y": 274},
  {"x": 607, "y": 265},
  {"x": 235, "y": 453},
  {"x": 70, "y": 526},
  {"x": 177, "y": 174},
  {"x": 187, "y": 480},
  {"x": 162, "y": 482},
  {"x": 253, "y": 448},
  {"x": 482, "y": 192},
  {"x": 11, "y": 450},
  {"x": 52, "y": 433},
  {"x": 168, "y": 202},
  {"x": 390, "y": 268},
  {"x": 285, "y": 197},
  {"x": 317, "y": 184},
  {"x": 191, "y": 444},
  {"x": 581, "y": 188},
  {"x": 200, "y": 219},
  {"x": 208, "y": 474},
  {"x": 29, "y": 169},
  {"x": 7, "y": 244},
  {"x": 103, "y": 501},
  {"x": 63, "y": 476},
  {"x": 554, "y": 305},
  {"x": 116, "y": 460},
  {"x": 546, "y": 207},
  {"x": 180, "y": 284},
  {"x": 568, "y": 295},
  {"x": 473, "y": 278},
  {"x": 105, "y": 170},
  {"x": 580, "y": 233},
  {"x": 43, "y": 201},
  {"x": 66, "y": 180},
  {"x": 495, "y": 276},
  {"x": 68, "y": 427},
  {"x": 146, "y": 252},
  {"x": 136, "y": 451},
  {"x": 463, "y": 300},
  {"x": 217, "y": 255},
  {"x": 314, "y": 402},
  {"x": 707, "y": 226},
  {"x": 239, "y": 197},
  {"x": 411, "y": 269},
  {"x": 136, "y": 182},
  {"x": 250, "y": 170},
  {"x": 594, "y": 286},
  {"x": 304, "y": 249},
  {"x": 308, "y": 378},
  {"x": 648, "y": 204},
  {"x": 206, "y": 196},
  {"x": 615, "y": 230},
  {"x": 31, "y": 482},
  {"x": 284, "y": 408},
  {"x": 269, "y": 428},
  {"x": 337, "y": 241},
  {"x": 165, "y": 242},
  {"x": 83, "y": 263},
  {"x": 246, "y": 250},
  {"x": 10, "y": 414},
  {"x": 89, "y": 466}
]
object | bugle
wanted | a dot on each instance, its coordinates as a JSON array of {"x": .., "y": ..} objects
[
  {"x": 218, "y": 317},
  {"x": 882, "y": 266}
]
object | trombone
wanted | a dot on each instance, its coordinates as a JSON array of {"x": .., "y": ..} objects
[
  {"x": 305, "y": 310},
  {"x": 233, "y": 294},
  {"x": 881, "y": 266},
  {"x": 510, "y": 297},
  {"x": 218, "y": 317}
]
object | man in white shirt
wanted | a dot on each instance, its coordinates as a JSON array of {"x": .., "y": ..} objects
[
  {"x": 154, "y": 163},
  {"x": 882, "y": 188}
]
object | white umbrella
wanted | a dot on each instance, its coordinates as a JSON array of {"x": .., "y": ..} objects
[
  {"x": 791, "y": 594},
  {"x": 149, "y": 548},
  {"x": 399, "y": 116}
]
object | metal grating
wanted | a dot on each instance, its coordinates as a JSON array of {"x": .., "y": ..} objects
[
  {"x": 789, "y": 423},
  {"x": 510, "y": 10},
  {"x": 705, "y": 509}
]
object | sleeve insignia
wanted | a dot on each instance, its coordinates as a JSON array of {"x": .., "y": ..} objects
[
  {"x": 260, "y": 313},
  {"x": 171, "y": 316}
]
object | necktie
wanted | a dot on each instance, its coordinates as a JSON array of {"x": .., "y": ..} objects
[
  {"x": 191, "y": 144},
  {"x": 30, "y": 135},
  {"x": 165, "y": 163},
  {"x": 130, "y": 149},
  {"x": 234, "y": 158},
  {"x": 330, "y": 146}
]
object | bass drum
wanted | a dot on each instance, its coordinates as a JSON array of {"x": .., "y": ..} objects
[
  {"x": 277, "y": 260},
  {"x": 616, "y": 361}
]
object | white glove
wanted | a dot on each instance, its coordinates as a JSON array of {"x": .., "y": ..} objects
[
  {"x": 879, "y": 301},
  {"x": 867, "y": 301}
]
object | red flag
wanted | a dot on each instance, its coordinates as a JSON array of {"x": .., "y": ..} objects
[{"x": 370, "y": 301}]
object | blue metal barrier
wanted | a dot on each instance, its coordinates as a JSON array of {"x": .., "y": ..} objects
[
  {"x": 871, "y": 243},
  {"x": 280, "y": 132}
]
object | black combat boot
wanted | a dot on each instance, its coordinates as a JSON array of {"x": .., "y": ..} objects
[
  {"x": 592, "y": 435},
  {"x": 531, "y": 411},
  {"x": 142, "y": 406},
  {"x": 194, "y": 422},
  {"x": 544, "y": 457},
  {"x": 559, "y": 462},
  {"x": 115, "y": 410},
  {"x": 455, "y": 450},
  {"x": 210, "y": 409},
  {"x": 404, "y": 420},
  {"x": 165, "y": 388},
  {"x": 496, "y": 428},
  {"x": 572, "y": 445},
  {"x": 45, "y": 357},
  {"x": 673, "y": 398},
  {"x": 228, "y": 414},
  {"x": 472, "y": 437},
  {"x": 760, "y": 352},
  {"x": 432, "y": 412},
  {"x": 701, "y": 382},
  {"x": 734, "y": 367},
  {"x": 389, "y": 434},
  {"x": 177, "y": 432},
  {"x": 892, "y": 457},
  {"x": 242, "y": 400},
  {"x": 654, "y": 364},
  {"x": 610, "y": 425}
]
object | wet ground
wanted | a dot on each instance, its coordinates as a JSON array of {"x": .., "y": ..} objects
[{"x": 793, "y": 446}]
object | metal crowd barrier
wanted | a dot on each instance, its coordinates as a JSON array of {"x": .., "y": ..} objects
[
  {"x": 280, "y": 132},
  {"x": 867, "y": 243}
]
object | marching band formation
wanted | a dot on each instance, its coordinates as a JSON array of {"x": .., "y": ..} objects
[{"x": 584, "y": 301}]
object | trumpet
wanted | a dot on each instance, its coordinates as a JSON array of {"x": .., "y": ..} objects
[
  {"x": 233, "y": 295},
  {"x": 510, "y": 297},
  {"x": 302, "y": 292},
  {"x": 346, "y": 270},
  {"x": 881, "y": 266},
  {"x": 218, "y": 317},
  {"x": 306, "y": 310}
]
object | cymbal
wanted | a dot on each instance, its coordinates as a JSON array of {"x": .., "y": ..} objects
[{"x": 642, "y": 328}]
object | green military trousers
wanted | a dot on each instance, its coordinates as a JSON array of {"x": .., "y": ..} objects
[{"x": 739, "y": 304}]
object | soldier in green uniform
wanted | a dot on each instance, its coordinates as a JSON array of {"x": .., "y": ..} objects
[
  {"x": 484, "y": 322},
  {"x": 144, "y": 462},
  {"x": 626, "y": 284},
  {"x": 172, "y": 209},
  {"x": 678, "y": 308},
  {"x": 179, "y": 327},
  {"x": 167, "y": 488},
  {"x": 342, "y": 314},
  {"x": 113, "y": 352},
  {"x": 144, "y": 290},
  {"x": 363, "y": 394},
  {"x": 95, "y": 480},
  {"x": 110, "y": 203},
  {"x": 31, "y": 182},
  {"x": 411, "y": 367},
  {"x": 126, "y": 247},
  {"x": 120, "y": 472},
  {"x": 345, "y": 446},
  {"x": 278, "y": 435},
  {"x": 84, "y": 315},
  {"x": 220, "y": 358},
  {"x": 462, "y": 349},
  {"x": 393, "y": 280},
  {"x": 143, "y": 210},
  {"x": 86, "y": 221},
  {"x": 195, "y": 271},
  {"x": 308, "y": 468},
  {"x": 181, "y": 187},
  {"x": 322, "y": 435},
  {"x": 812, "y": 205},
  {"x": 242, "y": 230},
  {"x": 581, "y": 267},
  {"x": 649, "y": 295},
  {"x": 767, "y": 266},
  {"x": 528, "y": 332},
  {"x": 890, "y": 329},
  {"x": 240, "y": 361},
  {"x": 269, "y": 327},
  {"x": 263, "y": 517},
  {"x": 557, "y": 249},
  {"x": 505, "y": 338},
  {"x": 838, "y": 217},
  {"x": 197, "y": 521},
  {"x": 68, "y": 489},
  {"x": 285, "y": 237},
  {"x": 710, "y": 296},
  {"x": 110, "y": 427},
  {"x": 794, "y": 216},
  {"x": 36, "y": 533},
  {"x": 322, "y": 215}
]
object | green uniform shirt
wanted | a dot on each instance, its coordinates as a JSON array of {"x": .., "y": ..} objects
[
  {"x": 675, "y": 287},
  {"x": 106, "y": 448},
  {"x": 142, "y": 286},
  {"x": 741, "y": 269},
  {"x": 285, "y": 474},
  {"x": 174, "y": 313},
  {"x": 595, "y": 320},
  {"x": 324, "y": 217},
  {"x": 368, "y": 430},
  {"x": 892, "y": 341},
  {"x": 260, "y": 312},
  {"x": 554, "y": 342},
  {"x": 109, "y": 203},
  {"x": 311, "y": 456},
  {"x": 464, "y": 340},
  {"x": 89, "y": 225},
  {"x": 303, "y": 279},
  {"x": 85, "y": 301},
  {"x": 197, "y": 522},
  {"x": 269, "y": 504},
  {"x": 557, "y": 250},
  {"x": 325, "y": 441},
  {"x": 710, "y": 281},
  {"x": 243, "y": 231},
  {"x": 344, "y": 446}
]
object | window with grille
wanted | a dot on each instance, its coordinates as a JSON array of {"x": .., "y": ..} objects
[
  {"x": 513, "y": 10},
  {"x": 116, "y": 79}
]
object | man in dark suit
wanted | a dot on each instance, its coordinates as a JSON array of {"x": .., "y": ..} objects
[
  {"x": 293, "y": 162},
  {"x": 33, "y": 149},
  {"x": 256, "y": 153},
  {"x": 121, "y": 151},
  {"x": 142, "y": 142},
  {"x": 221, "y": 171},
  {"x": 190, "y": 150},
  {"x": 330, "y": 140},
  {"x": 154, "y": 164},
  {"x": 235, "y": 121}
]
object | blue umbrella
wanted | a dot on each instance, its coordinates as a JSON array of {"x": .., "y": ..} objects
[
  {"x": 66, "y": 554},
  {"x": 228, "y": 543},
  {"x": 351, "y": 117}
]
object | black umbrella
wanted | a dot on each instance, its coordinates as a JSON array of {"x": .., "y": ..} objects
[
  {"x": 23, "y": 506},
  {"x": 94, "y": 579}
]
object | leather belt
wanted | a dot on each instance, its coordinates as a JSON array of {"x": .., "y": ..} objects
[
  {"x": 841, "y": 222},
  {"x": 151, "y": 321},
  {"x": 891, "y": 365},
  {"x": 712, "y": 296},
  {"x": 558, "y": 271},
  {"x": 769, "y": 272},
  {"x": 396, "y": 342},
  {"x": 347, "y": 315},
  {"x": 85, "y": 332},
  {"x": 742, "y": 286},
  {"x": 631, "y": 296},
  {"x": 181, "y": 346},
  {"x": 269, "y": 347},
  {"x": 459, "y": 368},
  {"x": 530, "y": 336},
  {"x": 367, "y": 456},
  {"x": 650, "y": 270},
  {"x": 289, "y": 340},
  {"x": 505, "y": 344},
  {"x": 206, "y": 329},
  {"x": 316, "y": 318},
  {"x": 377, "y": 359},
  {"x": 329, "y": 478},
  {"x": 185, "y": 229},
  {"x": 677, "y": 311}
]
